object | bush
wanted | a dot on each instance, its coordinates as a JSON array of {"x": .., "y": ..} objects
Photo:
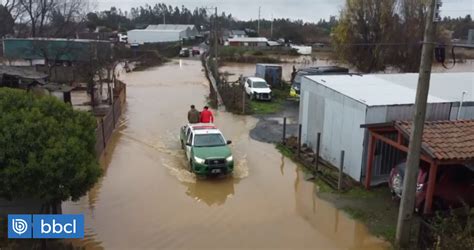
[
  {"x": 454, "y": 230},
  {"x": 47, "y": 149}
]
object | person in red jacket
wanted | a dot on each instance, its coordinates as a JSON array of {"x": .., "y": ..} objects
[{"x": 206, "y": 115}]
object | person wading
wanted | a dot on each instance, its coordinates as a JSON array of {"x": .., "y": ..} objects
[
  {"x": 193, "y": 115},
  {"x": 206, "y": 115}
]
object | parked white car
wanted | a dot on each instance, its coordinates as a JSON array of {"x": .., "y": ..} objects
[{"x": 257, "y": 88}]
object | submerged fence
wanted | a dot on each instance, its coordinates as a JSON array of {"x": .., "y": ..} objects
[
  {"x": 107, "y": 124},
  {"x": 222, "y": 93}
]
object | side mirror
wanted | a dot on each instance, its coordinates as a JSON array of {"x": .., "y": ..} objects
[{"x": 229, "y": 142}]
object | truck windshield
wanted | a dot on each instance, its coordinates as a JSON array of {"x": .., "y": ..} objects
[
  {"x": 259, "y": 85},
  {"x": 209, "y": 140}
]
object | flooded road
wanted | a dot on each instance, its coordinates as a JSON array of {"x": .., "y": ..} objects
[
  {"x": 301, "y": 62},
  {"x": 147, "y": 198}
]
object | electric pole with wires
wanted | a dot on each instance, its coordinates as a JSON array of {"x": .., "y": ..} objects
[{"x": 407, "y": 205}]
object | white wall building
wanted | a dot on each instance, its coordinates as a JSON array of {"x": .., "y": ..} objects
[
  {"x": 247, "y": 42},
  {"x": 162, "y": 33},
  {"x": 337, "y": 105}
]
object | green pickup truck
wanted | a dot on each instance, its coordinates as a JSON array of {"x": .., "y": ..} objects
[{"x": 206, "y": 149}]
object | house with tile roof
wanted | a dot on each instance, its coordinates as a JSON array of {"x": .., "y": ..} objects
[
  {"x": 336, "y": 106},
  {"x": 444, "y": 144}
]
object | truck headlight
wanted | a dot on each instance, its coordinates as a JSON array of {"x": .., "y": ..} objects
[
  {"x": 229, "y": 159},
  {"x": 199, "y": 160}
]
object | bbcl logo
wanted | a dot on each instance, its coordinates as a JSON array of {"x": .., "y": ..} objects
[{"x": 49, "y": 226}]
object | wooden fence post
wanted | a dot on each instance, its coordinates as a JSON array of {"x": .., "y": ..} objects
[
  {"x": 341, "y": 172},
  {"x": 113, "y": 113},
  {"x": 318, "y": 147},
  {"x": 283, "y": 141},
  {"x": 299, "y": 140},
  {"x": 103, "y": 132},
  {"x": 243, "y": 101}
]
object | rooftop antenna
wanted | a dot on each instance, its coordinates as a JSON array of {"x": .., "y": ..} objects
[
  {"x": 460, "y": 105},
  {"x": 271, "y": 28},
  {"x": 258, "y": 23}
]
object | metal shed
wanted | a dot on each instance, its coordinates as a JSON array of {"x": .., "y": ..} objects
[
  {"x": 162, "y": 33},
  {"x": 337, "y": 105},
  {"x": 56, "y": 49},
  {"x": 270, "y": 72}
]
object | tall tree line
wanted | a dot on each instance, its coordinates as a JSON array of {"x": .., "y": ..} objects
[
  {"x": 34, "y": 18},
  {"x": 374, "y": 34}
]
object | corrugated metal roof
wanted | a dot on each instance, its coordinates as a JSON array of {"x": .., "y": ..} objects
[
  {"x": 248, "y": 39},
  {"x": 179, "y": 27},
  {"x": 23, "y": 72},
  {"x": 447, "y": 86},
  {"x": 57, "y": 40},
  {"x": 238, "y": 32},
  {"x": 370, "y": 90},
  {"x": 156, "y": 31}
]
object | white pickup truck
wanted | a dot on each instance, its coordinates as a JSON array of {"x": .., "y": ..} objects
[{"x": 258, "y": 89}]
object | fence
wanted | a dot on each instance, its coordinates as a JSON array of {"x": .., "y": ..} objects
[
  {"x": 214, "y": 95},
  {"x": 229, "y": 94},
  {"x": 107, "y": 124},
  {"x": 234, "y": 97}
]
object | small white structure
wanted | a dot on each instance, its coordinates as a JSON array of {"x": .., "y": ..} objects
[
  {"x": 303, "y": 50},
  {"x": 336, "y": 106},
  {"x": 162, "y": 33},
  {"x": 247, "y": 42}
]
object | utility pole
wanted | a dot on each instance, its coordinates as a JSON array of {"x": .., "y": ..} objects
[
  {"x": 216, "y": 34},
  {"x": 271, "y": 28},
  {"x": 405, "y": 216},
  {"x": 164, "y": 18},
  {"x": 258, "y": 22}
]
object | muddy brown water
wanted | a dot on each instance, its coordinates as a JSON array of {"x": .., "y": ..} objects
[
  {"x": 248, "y": 69},
  {"x": 147, "y": 198}
]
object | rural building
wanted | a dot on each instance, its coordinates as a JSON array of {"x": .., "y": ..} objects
[
  {"x": 40, "y": 50},
  {"x": 444, "y": 144},
  {"x": 337, "y": 105},
  {"x": 162, "y": 33},
  {"x": 247, "y": 42},
  {"x": 20, "y": 77},
  {"x": 237, "y": 34}
]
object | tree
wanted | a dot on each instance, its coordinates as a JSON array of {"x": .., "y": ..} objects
[
  {"x": 66, "y": 17},
  {"x": 363, "y": 26},
  {"x": 47, "y": 149},
  {"x": 7, "y": 22},
  {"x": 408, "y": 32},
  {"x": 37, "y": 12}
]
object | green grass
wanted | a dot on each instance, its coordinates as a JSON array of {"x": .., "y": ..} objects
[
  {"x": 264, "y": 107},
  {"x": 284, "y": 151},
  {"x": 273, "y": 106},
  {"x": 359, "y": 192},
  {"x": 373, "y": 222}
]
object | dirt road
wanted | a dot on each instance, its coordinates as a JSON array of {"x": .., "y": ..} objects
[{"x": 147, "y": 198}]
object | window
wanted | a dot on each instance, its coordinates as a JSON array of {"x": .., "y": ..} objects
[
  {"x": 260, "y": 85},
  {"x": 190, "y": 139},
  {"x": 209, "y": 140}
]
